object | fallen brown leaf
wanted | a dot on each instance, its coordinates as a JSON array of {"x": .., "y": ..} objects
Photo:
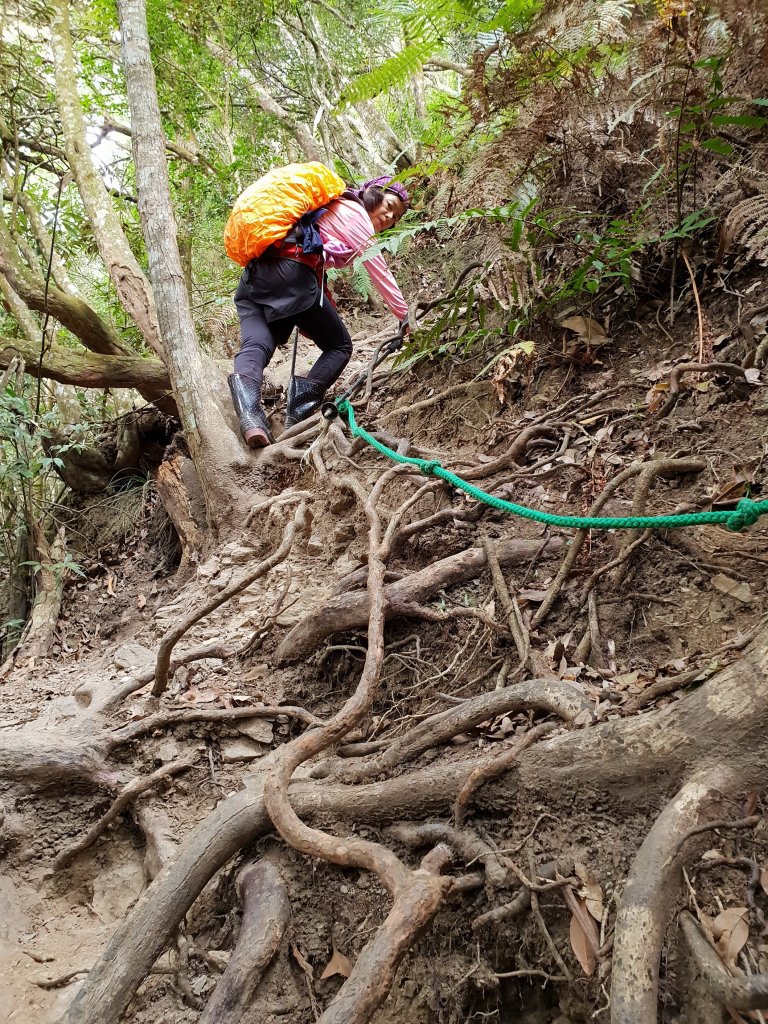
[
  {"x": 585, "y": 940},
  {"x": 731, "y": 931},
  {"x": 590, "y": 891},
  {"x": 140, "y": 601},
  {"x": 338, "y": 964},
  {"x": 764, "y": 880}
]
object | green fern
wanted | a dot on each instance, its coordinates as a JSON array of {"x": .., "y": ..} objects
[
  {"x": 426, "y": 26},
  {"x": 392, "y": 72}
]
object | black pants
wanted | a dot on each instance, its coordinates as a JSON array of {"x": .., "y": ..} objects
[{"x": 261, "y": 331}]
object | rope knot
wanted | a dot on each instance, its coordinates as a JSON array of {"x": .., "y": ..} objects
[
  {"x": 430, "y": 467},
  {"x": 746, "y": 513}
]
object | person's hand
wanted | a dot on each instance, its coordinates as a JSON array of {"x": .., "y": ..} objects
[{"x": 405, "y": 327}]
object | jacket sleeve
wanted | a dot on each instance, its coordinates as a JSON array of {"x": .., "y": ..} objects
[{"x": 358, "y": 235}]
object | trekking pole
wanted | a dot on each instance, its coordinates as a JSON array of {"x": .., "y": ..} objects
[{"x": 385, "y": 348}]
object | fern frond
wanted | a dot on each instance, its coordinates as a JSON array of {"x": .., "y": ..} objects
[
  {"x": 392, "y": 72},
  {"x": 747, "y": 225},
  {"x": 601, "y": 21}
]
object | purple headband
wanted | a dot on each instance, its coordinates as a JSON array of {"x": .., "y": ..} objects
[{"x": 385, "y": 182}]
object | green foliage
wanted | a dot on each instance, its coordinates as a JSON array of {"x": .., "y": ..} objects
[{"x": 426, "y": 25}]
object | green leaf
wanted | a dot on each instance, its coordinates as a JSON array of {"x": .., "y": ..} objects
[
  {"x": 718, "y": 146},
  {"x": 745, "y": 120}
]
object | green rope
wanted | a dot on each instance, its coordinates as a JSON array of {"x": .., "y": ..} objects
[{"x": 746, "y": 512}]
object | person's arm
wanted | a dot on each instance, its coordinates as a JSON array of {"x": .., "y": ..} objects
[{"x": 355, "y": 226}]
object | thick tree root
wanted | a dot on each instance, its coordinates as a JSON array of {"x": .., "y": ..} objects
[
  {"x": 415, "y": 906},
  {"x": 648, "y": 902},
  {"x": 133, "y": 790},
  {"x": 541, "y": 694},
  {"x": 266, "y": 915},
  {"x": 634, "y": 759},
  {"x": 350, "y": 611}
]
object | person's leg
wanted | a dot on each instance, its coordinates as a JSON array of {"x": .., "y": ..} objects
[
  {"x": 258, "y": 343},
  {"x": 258, "y": 339},
  {"x": 325, "y": 327}
]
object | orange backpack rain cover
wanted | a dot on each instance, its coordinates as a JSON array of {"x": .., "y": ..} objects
[{"x": 267, "y": 210}]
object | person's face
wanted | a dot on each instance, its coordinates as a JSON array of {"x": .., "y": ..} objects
[{"x": 388, "y": 212}]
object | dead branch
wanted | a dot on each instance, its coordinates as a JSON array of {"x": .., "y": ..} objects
[
  {"x": 738, "y": 993},
  {"x": 266, "y": 915},
  {"x": 730, "y": 369},
  {"x": 133, "y": 790},
  {"x": 172, "y": 637},
  {"x": 350, "y": 611},
  {"x": 495, "y": 767},
  {"x": 648, "y": 902}
]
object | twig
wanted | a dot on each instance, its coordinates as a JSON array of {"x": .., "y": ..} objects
[
  {"x": 710, "y": 826},
  {"x": 699, "y": 314},
  {"x": 542, "y": 926}
]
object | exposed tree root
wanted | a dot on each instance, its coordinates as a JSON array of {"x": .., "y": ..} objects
[
  {"x": 650, "y": 471},
  {"x": 418, "y": 899},
  {"x": 731, "y": 369},
  {"x": 173, "y": 636},
  {"x": 648, "y": 902},
  {"x": 350, "y": 611},
  {"x": 542, "y": 694},
  {"x": 266, "y": 915},
  {"x": 493, "y": 768},
  {"x": 133, "y": 790}
]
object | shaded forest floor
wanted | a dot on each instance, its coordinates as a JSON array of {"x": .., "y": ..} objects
[{"x": 662, "y": 617}]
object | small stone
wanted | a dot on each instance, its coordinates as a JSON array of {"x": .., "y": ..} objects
[
  {"x": 242, "y": 554},
  {"x": 314, "y": 546},
  {"x": 220, "y": 957},
  {"x": 244, "y": 749},
  {"x": 257, "y": 729},
  {"x": 133, "y": 656},
  {"x": 341, "y": 502},
  {"x": 732, "y": 588}
]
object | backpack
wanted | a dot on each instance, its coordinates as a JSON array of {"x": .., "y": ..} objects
[{"x": 267, "y": 210}]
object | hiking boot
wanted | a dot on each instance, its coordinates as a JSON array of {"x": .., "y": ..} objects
[
  {"x": 246, "y": 398},
  {"x": 305, "y": 396}
]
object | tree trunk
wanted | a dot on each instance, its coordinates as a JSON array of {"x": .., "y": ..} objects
[
  {"x": 214, "y": 448},
  {"x": 132, "y": 286}
]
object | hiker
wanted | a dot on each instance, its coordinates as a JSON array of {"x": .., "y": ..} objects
[{"x": 284, "y": 288}]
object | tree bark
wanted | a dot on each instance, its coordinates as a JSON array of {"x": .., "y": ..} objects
[
  {"x": 214, "y": 448},
  {"x": 132, "y": 287},
  {"x": 89, "y": 369}
]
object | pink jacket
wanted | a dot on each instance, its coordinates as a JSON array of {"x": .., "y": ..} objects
[{"x": 346, "y": 231}]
